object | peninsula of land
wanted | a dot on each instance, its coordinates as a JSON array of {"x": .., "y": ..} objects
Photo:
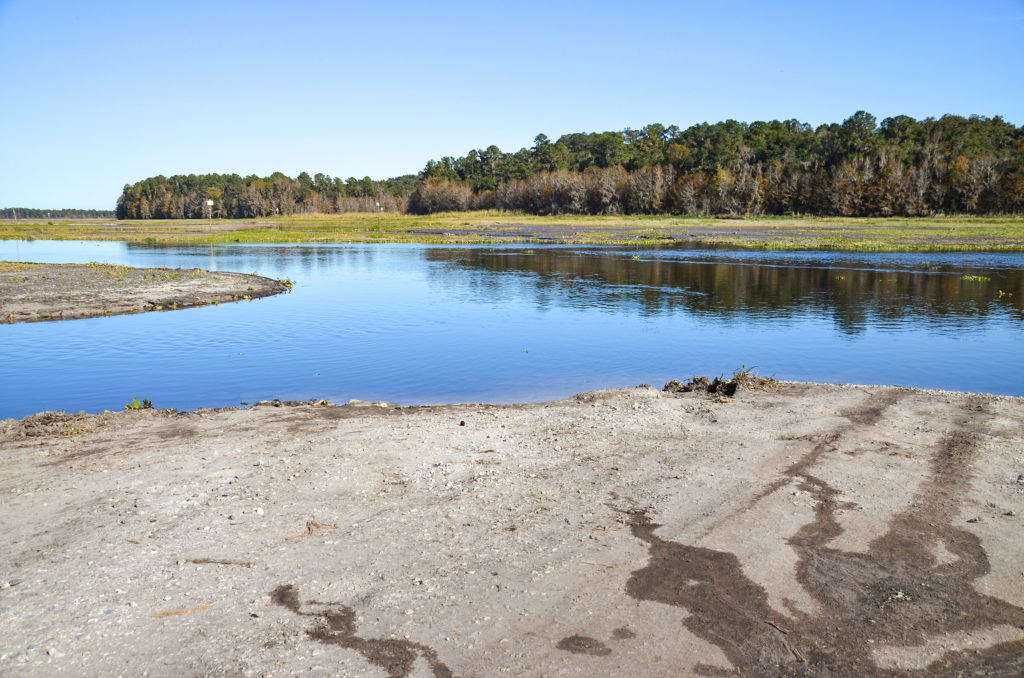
[{"x": 32, "y": 291}]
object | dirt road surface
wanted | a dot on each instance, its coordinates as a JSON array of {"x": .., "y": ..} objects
[
  {"x": 32, "y": 292},
  {"x": 812, "y": 530}
]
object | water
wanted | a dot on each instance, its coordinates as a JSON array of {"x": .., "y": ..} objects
[{"x": 421, "y": 324}]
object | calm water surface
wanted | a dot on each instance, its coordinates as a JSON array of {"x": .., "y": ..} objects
[{"x": 416, "y": 324}]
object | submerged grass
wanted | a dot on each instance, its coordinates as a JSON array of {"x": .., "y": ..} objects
[{"x": 781, "y": 233}]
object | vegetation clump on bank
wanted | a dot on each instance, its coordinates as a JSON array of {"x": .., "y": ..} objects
[{"x": 741, "y": 378}]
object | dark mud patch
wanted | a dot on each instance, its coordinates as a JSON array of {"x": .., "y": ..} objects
[
  {"x": 78, "y": 455},
  {"x": 896, "y": 594},
  {"x": 865, "y": 415},
  {"x": 868, "y": 415},
  {"x": 336, "y": 625},
  {"x": 584, "y": 645}
]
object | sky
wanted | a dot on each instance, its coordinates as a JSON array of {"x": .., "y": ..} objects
[{"x": 96, "y": 95}]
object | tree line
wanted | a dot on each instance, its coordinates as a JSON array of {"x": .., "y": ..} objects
[
  {"x": 67, "y": 213},
  {"x": 233, "y": 196},
  {"x": 860, "y": 167}
]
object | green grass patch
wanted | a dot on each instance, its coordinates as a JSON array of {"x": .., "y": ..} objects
[
  {"x": 485, "y": 227},
  {"x": 136, "y": 405}
]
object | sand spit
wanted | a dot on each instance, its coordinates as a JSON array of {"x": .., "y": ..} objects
[{"x": 32, "y": 292}]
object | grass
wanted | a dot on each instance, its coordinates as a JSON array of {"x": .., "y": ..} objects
[
  {"x": 136, "y": 405},
  {"x": 19, "y": 266},
  {"x": 778, "y": 233},
  {"x": 747, "y": 377}
]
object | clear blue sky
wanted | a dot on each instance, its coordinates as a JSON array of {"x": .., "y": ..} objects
[{"x": 94, "y": 95}]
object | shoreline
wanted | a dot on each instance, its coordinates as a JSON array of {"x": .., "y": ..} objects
[
  {"x": 629, "y": 530},
  {"x": 525, "y": 403},
  {"x": 34, "y": 292}
]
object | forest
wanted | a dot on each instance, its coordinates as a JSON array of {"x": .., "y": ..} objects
[
  {"x": 185, "y": 197},
  {"x": 860, "y": 167},
  {"x": 67, "y": 213}
]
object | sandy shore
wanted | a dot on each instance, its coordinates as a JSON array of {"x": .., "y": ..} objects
[
  {"x": 31, "y": 292},
  {"x": 809, "y": 530}
]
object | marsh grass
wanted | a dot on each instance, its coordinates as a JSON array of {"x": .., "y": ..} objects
[
  {"x": 19, "y": 266},
  {"x": 484, "y": 227}
]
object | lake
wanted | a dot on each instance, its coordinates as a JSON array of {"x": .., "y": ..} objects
[{"x": 427, "y": 324}]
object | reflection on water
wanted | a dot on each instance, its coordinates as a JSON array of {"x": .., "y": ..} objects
[
  {"x": 759, "y": 288},
  {"x": 411, "y": 324}
]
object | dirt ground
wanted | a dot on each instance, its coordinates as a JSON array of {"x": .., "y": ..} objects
[
  {"x": 810, "y": 530},
  {"x": 33, "y": 292}
]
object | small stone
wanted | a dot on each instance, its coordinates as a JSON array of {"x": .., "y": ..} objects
[
  {"x": 51, "y": 651},
  {"x": 259, "y": 510}
]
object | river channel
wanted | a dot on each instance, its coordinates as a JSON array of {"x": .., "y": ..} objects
[{"x": 427, "y": 324}]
